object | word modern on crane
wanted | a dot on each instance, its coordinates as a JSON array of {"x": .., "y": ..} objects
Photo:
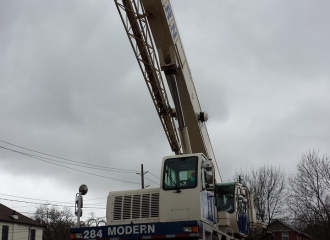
[{"x": 134, "y": 229}]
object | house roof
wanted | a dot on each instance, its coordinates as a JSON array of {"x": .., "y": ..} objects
[
  {"x": 8, "y": 215},
  {"x": 270, "y": 229}
]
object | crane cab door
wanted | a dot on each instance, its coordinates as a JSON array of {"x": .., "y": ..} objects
[{"x": 186, "y": 188}]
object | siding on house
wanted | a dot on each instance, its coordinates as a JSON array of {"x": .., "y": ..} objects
[{"x": 15, "y": 226}]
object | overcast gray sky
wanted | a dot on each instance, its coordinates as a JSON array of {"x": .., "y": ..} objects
[{"x": 70, "y": 87}]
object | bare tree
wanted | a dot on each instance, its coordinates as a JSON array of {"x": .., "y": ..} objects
[
  {"x": 267, "y": 183},
  {"x": 310, "y": 195},
  {"x": 58, "y": 222}
]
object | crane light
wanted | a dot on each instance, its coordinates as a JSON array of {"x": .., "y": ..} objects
[{"x": 203, "y": 116}]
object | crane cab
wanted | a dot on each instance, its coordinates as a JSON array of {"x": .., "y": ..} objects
[
  {"x": 186, "y": 193},
  {"x": 232, "y": 200},
  {"x": 187, "y": 188}
]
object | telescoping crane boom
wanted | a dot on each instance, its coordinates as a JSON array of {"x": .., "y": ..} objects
[
  {"x": 191, "y": 202},
  {"x": 173, "y": 62}
]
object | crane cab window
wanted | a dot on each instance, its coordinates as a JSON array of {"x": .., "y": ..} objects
[
  {"x": 225, "y": 196},
  {"x": 180, "y": 173}
]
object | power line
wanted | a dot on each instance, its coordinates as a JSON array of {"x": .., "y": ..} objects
[
  {"x": 43, "y": 160},
  {"x": 51, "y": 202},
  {"x": 65, "y": 159},
  {"x": 14, "y": 200},
  {"x": 151, "y": 180},
  {"x": 153, "y": 174},
  {"x": 32, "y": 198},
  {"x": 24, "y": 206},
  {"x": 89, "y": 206},
  {"x": 94, "y": 199},
  {"x": 89, "y": 167}
]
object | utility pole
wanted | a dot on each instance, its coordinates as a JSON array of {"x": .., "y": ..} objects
[{"x": 142, "y": 177}]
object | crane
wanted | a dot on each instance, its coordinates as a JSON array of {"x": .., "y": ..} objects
[
  {"x": 153, "y": 33},
  {"x": 146, "y": 23},
  {"x": 192, "y": 201}
]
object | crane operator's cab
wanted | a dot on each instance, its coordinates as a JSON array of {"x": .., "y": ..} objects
[
  {"x": 187, "y": 188},
  {"x": 186, "y": 193},
  {"x": 232, "y": 201}
]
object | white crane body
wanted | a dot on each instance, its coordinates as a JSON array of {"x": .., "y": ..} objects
[{"x": 191, "y": 201}]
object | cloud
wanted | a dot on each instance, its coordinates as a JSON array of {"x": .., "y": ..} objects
[{"x": 70, "y": 86}]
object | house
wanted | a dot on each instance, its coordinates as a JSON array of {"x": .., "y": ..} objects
[
  {"x": 15, "y": 226},
  {"x": 282, "y": 231}
]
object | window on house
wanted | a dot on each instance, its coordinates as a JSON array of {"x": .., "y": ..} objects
[
  {"x": 5, "y": 230},
  {"x": 285, "y": 236},
  {"x": 32, "y": 234}
]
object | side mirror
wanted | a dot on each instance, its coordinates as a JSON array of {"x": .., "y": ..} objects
[
  {"x": 208, "y": 175},
  {"x": 209, "y": 178}
]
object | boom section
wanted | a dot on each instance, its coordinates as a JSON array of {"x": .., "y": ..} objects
[
  {"x": 133, "y": 17},
  {"x": 172, "y": 56}
]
